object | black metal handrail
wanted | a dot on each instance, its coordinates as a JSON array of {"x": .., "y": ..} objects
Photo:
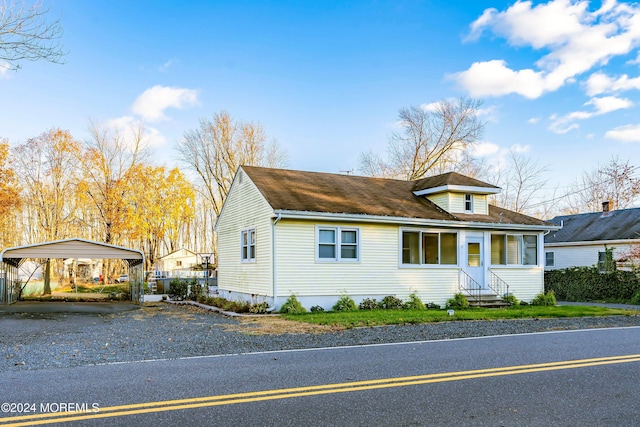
[
  {"x": 469, "y": 286},
  {"x": 498, "y": 286}
]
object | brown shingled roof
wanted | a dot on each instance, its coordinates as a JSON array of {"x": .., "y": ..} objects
[
  {"x": 333, "y": 193},
  {"x": 450, "y": 178}
]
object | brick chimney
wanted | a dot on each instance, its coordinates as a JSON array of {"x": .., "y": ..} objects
[{"x": 607, "y": 207}]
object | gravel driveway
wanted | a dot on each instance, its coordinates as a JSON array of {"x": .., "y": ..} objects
[{"x": 166, "y": 331}]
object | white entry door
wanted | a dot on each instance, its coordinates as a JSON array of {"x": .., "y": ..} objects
[{"x": 475, "y": 260}]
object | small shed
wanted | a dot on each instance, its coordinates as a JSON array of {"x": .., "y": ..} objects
[{"x": 12, "y": 258}]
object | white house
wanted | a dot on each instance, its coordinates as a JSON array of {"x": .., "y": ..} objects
[
  {"x": 584, "y": 238},
  {"x": 320, "y": 236},
  {"x": 178, "y": 263}
]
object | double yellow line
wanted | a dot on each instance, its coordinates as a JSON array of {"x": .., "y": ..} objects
[{"x": 286, "y": 393}]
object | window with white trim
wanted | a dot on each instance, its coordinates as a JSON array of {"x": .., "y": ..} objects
[
  {"x": 248, "y": 245},
  {"x": 468, "y": 203},
  {"x": 338, "y": 244},
  {"x": 549, "y": 259},
  {"x": 514, "y": 249},
  {"x": 429, "y": 248}
]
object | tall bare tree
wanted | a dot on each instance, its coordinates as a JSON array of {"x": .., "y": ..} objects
[
  {"x": 616, "y": 181},
  {"x": 216, "y": 149},
  {"x": 521, "y": 180},
  {"x": 27, "y": 35},
  {"x": 433, "y": 139}
]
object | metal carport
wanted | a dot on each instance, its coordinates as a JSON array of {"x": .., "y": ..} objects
[{"x": 12, "y": 258}]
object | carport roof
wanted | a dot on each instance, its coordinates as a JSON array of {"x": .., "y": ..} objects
[{"x": 71, "y": 248}]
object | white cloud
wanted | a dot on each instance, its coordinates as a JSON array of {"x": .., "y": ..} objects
[
  {"x": 164, "y": 67},
  {"x": 4, "y": 70},
  {"x": 154, "y": 101},
  {"x": 627, "y": 133},
  {"x": 533, "y": 120},
  {"x": 599, "y": 83},
  {"x": 576, "y": 39},
  {"x": 494, "y": 78},
  {"x": 127, "y": 127},
  {"x": 485, "y": 149},
  {"x": 432, "y": 107},
  {"x": 603, "y": 105}
]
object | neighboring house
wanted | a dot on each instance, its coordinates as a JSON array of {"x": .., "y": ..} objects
[
  {"x": 179, "y": 263},
  {"x": 320, "y": 236},
  {"x": 583, "y": 239}
]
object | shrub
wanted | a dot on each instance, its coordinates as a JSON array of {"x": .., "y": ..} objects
[
  {"x": 390, "y": 302},
  {"x": 414, "y": 303},
  {"x": 317, "y": 309},
  {"x": 458, "y": 301},
  {"x": 345, "y": 303},
  {"x": 511, "y": 300},
  {"x": 259, "y": 308},
  {"x": 178, "y": 289},
  {"x": 636, "y": 299},
  {"x": 432, "y": 306},
  {"x": 544, "y": 299},
  {"x": 368, "y": 304},
  {"x": 195, "y": 290},
  {"x": 588, "y": 284},
  {"x": 292, "y": 306}
]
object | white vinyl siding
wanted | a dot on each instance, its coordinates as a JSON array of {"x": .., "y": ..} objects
[
  {"x": 524, "y": 282},
  {"x": 442, "y": 200},
  {"x": 377, "y": 274},
  {"x": 583, "y": 255},
  {"x": 455, "y": 202},
  {"x": 245, "y": 209}
]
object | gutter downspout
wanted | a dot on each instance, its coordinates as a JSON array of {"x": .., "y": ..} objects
[{"x": 274, "y": 278}]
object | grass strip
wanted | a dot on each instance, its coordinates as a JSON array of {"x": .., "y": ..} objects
[{"x": 353, "y": 319}]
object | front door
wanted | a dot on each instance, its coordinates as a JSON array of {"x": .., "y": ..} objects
[{"x": 475, "y": 261}]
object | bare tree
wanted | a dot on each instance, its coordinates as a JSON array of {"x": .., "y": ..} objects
[
  {"x": 26, "y": 35},
  {"x": 218, "y": 147},
  {"x": 521, "y": 181},
  {"x": 433, "y": 139},
  {"x": 614, "y": 182}
]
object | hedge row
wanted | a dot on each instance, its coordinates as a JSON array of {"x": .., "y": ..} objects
[{"x": 588, "y": 284}]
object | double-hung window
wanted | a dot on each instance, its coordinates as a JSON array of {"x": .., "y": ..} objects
[
  {"x": 468, "y": 203},
  {"x": 550, "y": 260},
  {"x": 429, "y": 248},
  {"x": 338, "y": 244},
  {"x": 514, "y": 249},
  {"x": 248, "y": 245}
]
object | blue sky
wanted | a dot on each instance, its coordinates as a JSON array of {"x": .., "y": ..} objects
[{"x": 559, "y": 80}]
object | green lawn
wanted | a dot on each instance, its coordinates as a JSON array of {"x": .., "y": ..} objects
[{"x": 352, "y": 319}]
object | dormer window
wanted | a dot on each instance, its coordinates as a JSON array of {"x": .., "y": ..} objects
[{"x": 468, "y": 203}]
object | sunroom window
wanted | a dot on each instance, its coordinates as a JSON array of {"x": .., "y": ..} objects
[
  {"x": 429, "y": 248},
  {"x": 514, "y": 249}
]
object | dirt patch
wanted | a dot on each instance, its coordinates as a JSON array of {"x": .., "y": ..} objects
[
  {"x": 252, "y": 325},
  {"x": 274, "y": 325}
]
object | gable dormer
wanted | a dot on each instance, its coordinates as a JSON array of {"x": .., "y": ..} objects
[{"x": 456, "y": 194}]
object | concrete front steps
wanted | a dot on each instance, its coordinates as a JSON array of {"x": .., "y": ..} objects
[{"x": 486, "y": 301}]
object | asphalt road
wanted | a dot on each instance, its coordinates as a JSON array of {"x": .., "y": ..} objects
[{"x": 574, "y": 378}]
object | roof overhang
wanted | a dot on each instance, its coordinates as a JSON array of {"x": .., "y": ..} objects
[
  {"x": 320, "y": 216},
  {"x": 593, "y": 243},
  {"x": 71, "y": 248},
  {"x": 457, "y": 189}
]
